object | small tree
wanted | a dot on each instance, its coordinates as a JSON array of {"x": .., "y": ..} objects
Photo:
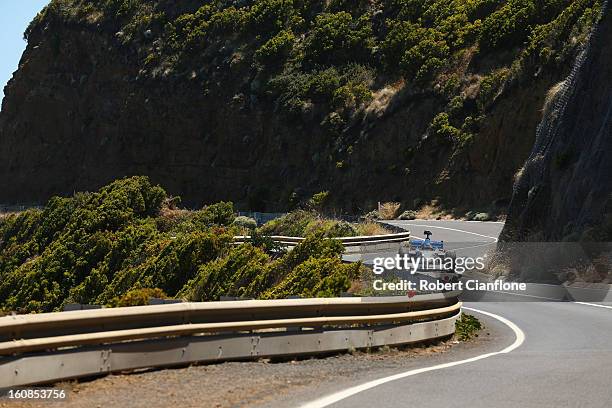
[
  {"x": 246, "y": 224},
  {"x": 318, "y": 201}
]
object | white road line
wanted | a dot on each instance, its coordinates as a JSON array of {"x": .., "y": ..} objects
[
  {"x": 526, "y": 295},
  {"x": 593, "y": 304},
  {"x": 452, "y": 229},
  {"x": 339, "y": 396},
  {"x": 458, "y": 249},
  {"x": 479, "y": 222}
]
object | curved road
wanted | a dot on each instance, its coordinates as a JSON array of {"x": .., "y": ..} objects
[{"x": 564, "y": 361}]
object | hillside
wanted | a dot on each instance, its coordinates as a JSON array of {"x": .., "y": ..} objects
[
  {"x": 568, "y": 173},
  {"x": 128, "y": 241},
  {"x": 265, "y": 102},
  {"x": 563, "y": 194}
]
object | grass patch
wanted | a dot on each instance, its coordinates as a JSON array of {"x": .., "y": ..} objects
[
  {"x": 389, "y": 211},
  {"x": 371, "y": 228},
  {"x": 467, "y": 327}
]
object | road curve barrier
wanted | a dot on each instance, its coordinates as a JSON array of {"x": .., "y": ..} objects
[
  {"x": 366, "y": 244},
  {"x": 50, "y": 347}
]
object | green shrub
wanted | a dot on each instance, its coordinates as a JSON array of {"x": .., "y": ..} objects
[
  {"x": 128, "y": 242},
  {"x": 482, "y": 216},
  {"x": 315, "y": 245},
  {"x": 554, "y": 41},
  {"x": 138, "y": 297},
  {"x": 408, "y": 215},
  {"x": 167, "y": 263},
  {"x": 338, "y": 38},
  {"x": 419, "y": 52},
  {"x": 511, "y": 24},
  {"x": 231, "y": 275},
  {"x": 490, "y": 88},
  {"x": 95, "y": 247},
  {"x": 352, "y": 95},
  {"x": 441, "y": 127},
  {"x": 295, "y": 89},
  {"x": 346, "y": 88},
  {"x": 340, "y": 229},
  {"x": 318, "y": 201},
  {"x": 228, "y": 21},
  {"x": 246, "y": 223},
  {"x": 221, "y": 213},
  {"x": 467, "y": 327},
  {"x": 316, "y": 277},
  {"x": 269, "y": 16},
  {"x": 312, "y": 268},
  {"x": 274, "y": 52},
  {"x": 302, "y": 223},
  {"x": 508, "y": 25},
  {"x": 292, "y": 224}
]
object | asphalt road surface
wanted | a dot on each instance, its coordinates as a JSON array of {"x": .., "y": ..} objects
[
  {"x": 556, "y": 354},
  {"x": 466, "y": 238}
]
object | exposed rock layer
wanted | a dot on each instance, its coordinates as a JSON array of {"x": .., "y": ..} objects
[
  {"x": 565, "y": 190},
  {"x": 79, "y": 113}
]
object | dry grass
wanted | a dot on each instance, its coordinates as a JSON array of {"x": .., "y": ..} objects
[
  {"x": 382, "y": 98},
  {"x": 551, "y": 96},
  {"x": 171, "y": 213},
  {"x": 371, "y": 228},
  {"x": 389, "y": 211},
  {"x": 519, "y": 173},
  {"x": 472, "y": 88},
  {"x": 4, "y": 215},
  {"x": 432, "y": 211}
]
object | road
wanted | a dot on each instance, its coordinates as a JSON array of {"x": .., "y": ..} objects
[
  {"x": 467, "y": 239},
  {"x": 565, "y": 359}
]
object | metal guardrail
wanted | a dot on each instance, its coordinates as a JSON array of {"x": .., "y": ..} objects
[
  {"x": 56, "y": 346},
  {"x": 359, "y": 244}
]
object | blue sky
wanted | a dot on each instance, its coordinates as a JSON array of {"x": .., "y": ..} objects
[{"x": 15, "y": 15}]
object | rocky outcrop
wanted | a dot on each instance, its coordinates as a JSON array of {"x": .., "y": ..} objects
[
  {"x": 559, "y": 225},
  {"x": 81, "y": 111},
  {"x": 564, "y": 191}
]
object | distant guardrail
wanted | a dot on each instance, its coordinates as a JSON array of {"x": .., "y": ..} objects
[
  {"x": 51, "y": 347},
  {"x": 11, "y": 208},
  {"x": 260, "y": 217},
  {"x": 352, "y": 245}
]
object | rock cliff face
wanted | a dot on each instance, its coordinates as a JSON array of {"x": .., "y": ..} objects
[
  {"x": 559, "y": 224},
  {"x": 84, "y": 109},
  {"x": 565, "y": 189}
]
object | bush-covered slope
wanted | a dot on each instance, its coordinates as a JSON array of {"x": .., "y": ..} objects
[
  {"x": 104, "y": 247},
  {"x": 381, "y": 100}
]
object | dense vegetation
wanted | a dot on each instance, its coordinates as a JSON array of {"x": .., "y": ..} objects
[
  {"x": 331, "y": 57},
  {"x": 129, "y": 241},
  {"x": 301, "y": 223}
]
